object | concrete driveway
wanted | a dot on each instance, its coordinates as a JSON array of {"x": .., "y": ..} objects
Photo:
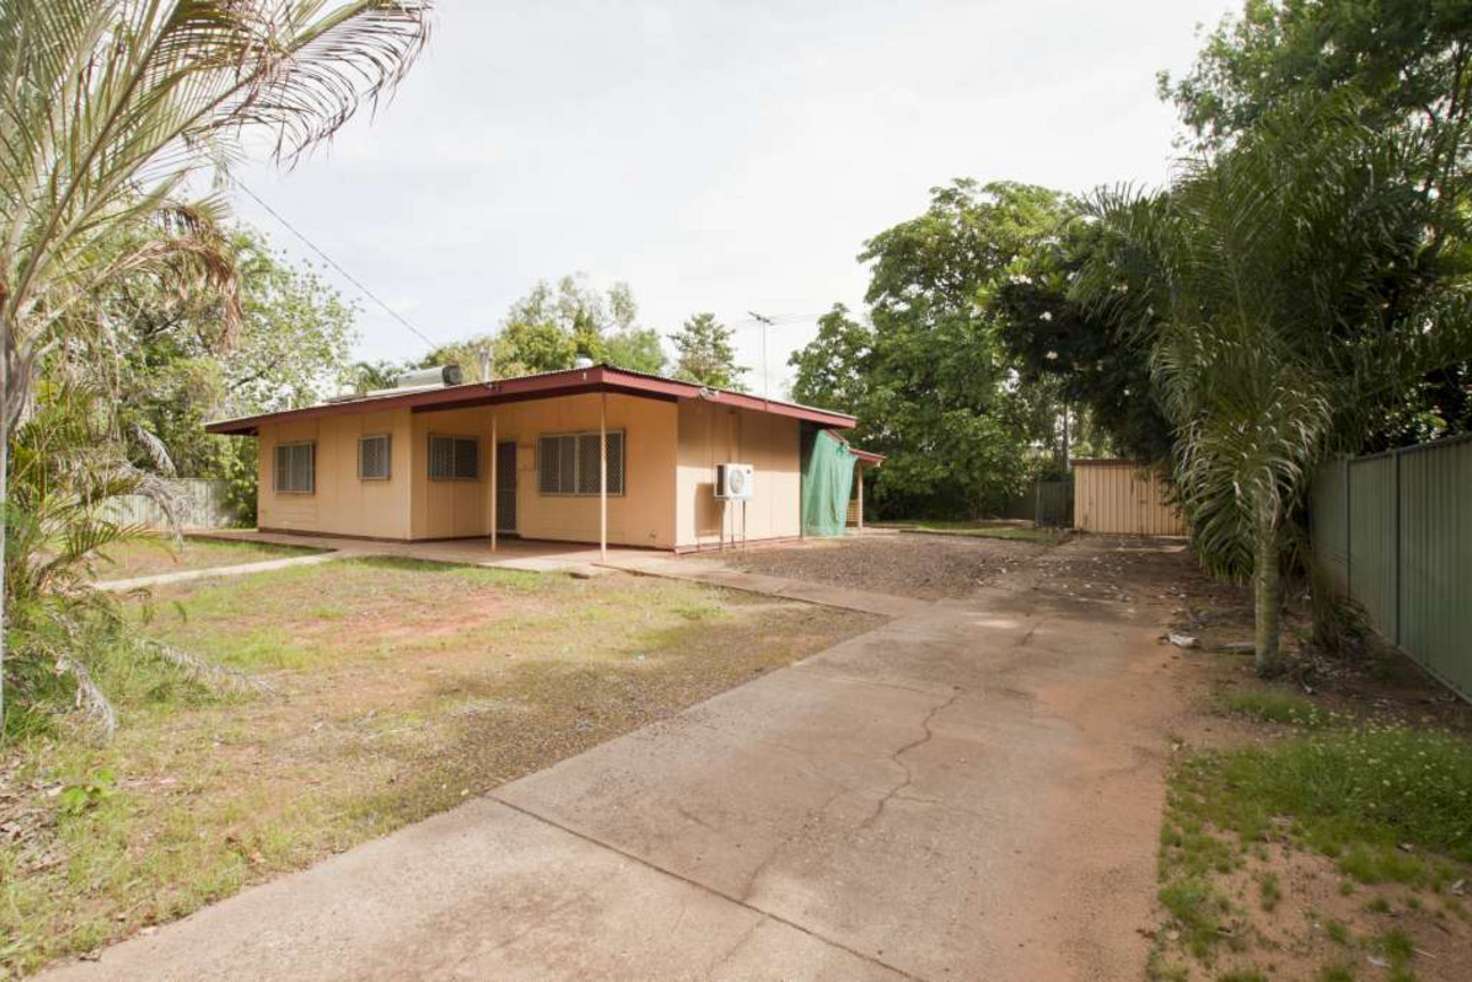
[{"x": 972, "y": 791}]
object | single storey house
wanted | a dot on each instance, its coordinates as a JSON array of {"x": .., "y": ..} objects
[{"x": 592, "y": 454}]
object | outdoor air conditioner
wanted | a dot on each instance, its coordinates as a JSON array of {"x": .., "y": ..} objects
[{"x": 734, "y": 481}]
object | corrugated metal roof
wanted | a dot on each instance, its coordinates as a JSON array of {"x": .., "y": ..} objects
[{"x": 542, "y": 385}]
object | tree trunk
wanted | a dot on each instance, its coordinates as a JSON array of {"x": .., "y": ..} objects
[
  {"x": 1066, "y": 448},
  {"x": 4, "y": 513},
  {"x": 1267, "y": 597}
]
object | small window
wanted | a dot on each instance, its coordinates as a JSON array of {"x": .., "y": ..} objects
[
  {"x": 568, "y": 463},
  {"x": 454, "y": 458},
  {"x": 296, "y": 468},
  {"x": 373, "y": 458}
]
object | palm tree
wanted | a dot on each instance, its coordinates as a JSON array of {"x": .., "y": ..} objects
[
  {"x": 1283, "y": 289},
  {"x": 109, "y": 107}
]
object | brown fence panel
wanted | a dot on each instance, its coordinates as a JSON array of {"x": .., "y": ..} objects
[{"x": 1122, "y": 497}]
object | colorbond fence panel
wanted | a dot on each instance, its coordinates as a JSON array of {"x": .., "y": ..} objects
[
  {"x": 1124, "y": 498},
  {"x": 1329, "y": 524},
  {"x": 1436, "y": 560},
  {"x": 1372, "y": 515},
  {"x": 200, "y": 504},
  {"x": 1395, "y": 532}
]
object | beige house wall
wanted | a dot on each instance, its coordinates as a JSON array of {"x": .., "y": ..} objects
[
  {"x": 341, "y": 504},
  {"x": 711, "y": 434},
  {"x": 643, "y": 516},
  {"x": 672, "y": 449}
]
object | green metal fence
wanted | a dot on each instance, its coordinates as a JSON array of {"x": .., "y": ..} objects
[
  {"x": 1047, "y": 503},
  {"x": 1394, "y": 531}
]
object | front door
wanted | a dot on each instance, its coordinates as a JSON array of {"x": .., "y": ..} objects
[{"x": 506, "y": 488}]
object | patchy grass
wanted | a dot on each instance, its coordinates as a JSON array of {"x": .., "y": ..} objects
[
  {"x": 1358, "y": 794},
  {"x": 1381, "y": 808},
  {"x": 1272, "y": 706},
  {"x": 983, "y": 530},
  {"x": 1269, "y": 891},
  {"x": 161, "y": 554},
  {"x": 397, "y": 689}
]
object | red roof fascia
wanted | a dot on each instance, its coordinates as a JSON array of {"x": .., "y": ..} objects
[{"x": 545, "y": 386}]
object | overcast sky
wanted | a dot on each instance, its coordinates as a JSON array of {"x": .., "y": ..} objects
[{"x": 723, "y": 156}]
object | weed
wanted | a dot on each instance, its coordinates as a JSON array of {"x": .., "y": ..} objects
[
  {"x": 1335, "y": 973},
  {"x": 1396, "y": 945},
  {"x": 1378, "y": 906},
  {"x": 1273, "y": 706},
  {"x": 1158, "y": 970},
  {"x": 1269, "y": 892},
  {"x": 1197, "y": 908},
  {"x": 76, "y": 799},
  {"x": 1338, "y": 932}
]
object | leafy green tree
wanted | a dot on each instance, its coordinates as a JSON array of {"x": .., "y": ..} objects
[
  {"x": 1410, "y": 62},
  {"x": 553, "y": 325},
  {"x": 1288, "y": 290},
  {"x": 705, "y": 354},
  {"x": 930, "y": 380},
  {"x": 288, "y": 349},
  {"x": 833, "y": 370},
  {"x": 107, "y": 109},
  {"x": 1100, "y": 371},
  {"x": 1409, "y": 59},
  {"x": 638, "y": 349},
  {"x": 368, "y": 376}
]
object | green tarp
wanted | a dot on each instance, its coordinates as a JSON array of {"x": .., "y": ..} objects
[{"x": 827, "y": 482}]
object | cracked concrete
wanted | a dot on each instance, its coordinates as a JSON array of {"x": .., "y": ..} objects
[{"x": 767, "y": 833}]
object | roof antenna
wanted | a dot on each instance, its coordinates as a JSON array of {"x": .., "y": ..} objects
[{"x": 765, "y": 322}]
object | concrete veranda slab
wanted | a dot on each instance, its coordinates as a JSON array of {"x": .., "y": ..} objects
[{"x": 970, "y": 791}]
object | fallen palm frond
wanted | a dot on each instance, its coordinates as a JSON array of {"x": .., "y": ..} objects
[
  {"x": 70, "y": 467},
  {"x": 209, "y": 673}
]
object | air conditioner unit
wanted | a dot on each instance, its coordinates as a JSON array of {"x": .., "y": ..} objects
[{"x": 734, "y": 481}]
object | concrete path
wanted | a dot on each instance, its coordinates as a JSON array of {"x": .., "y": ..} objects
[
  {"x": 211, "y": 572},
  {"x": 529, "y": 557},
  {"x": 969, "y": 792}
]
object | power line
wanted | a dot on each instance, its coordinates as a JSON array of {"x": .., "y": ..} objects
[{"x": 333, "y": 263}]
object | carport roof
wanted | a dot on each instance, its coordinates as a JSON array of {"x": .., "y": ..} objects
[{"x": 547, "y": 385}]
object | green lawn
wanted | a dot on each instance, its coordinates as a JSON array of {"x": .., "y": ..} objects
[
  {"x": 396, "y": 689},
  {"x": 163, "y": 555}
]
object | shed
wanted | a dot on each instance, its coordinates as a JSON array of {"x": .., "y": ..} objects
[{"x": 1123, "y": 497}]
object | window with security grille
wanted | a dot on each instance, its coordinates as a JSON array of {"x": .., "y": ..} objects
[
  {"x": 373, "y": 458},
  {"x": 296, "y": 468},
  {"x": 567, "y": 464},
  {"x": 454, "y": 458}
]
